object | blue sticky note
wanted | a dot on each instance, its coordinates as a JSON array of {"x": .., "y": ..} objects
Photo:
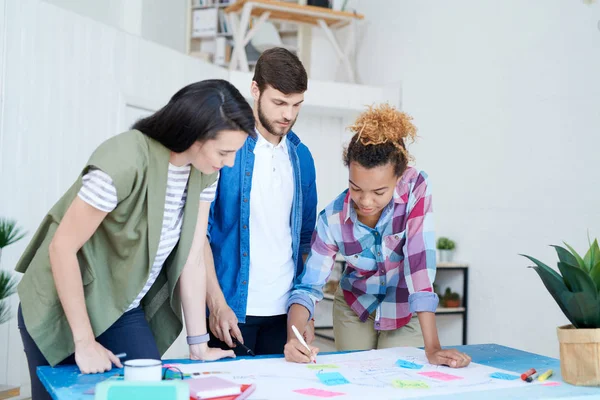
[
  {"x": 332, "y": 378},
  {"x": 408, "y": 364},
  {"x": 506, "y": 377}
]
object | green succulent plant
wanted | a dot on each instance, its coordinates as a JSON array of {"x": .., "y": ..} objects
[
  {"x": 450, "y": 295},
  {"x": 444, "y": 243},
  {"x": 575, "y": 289}
]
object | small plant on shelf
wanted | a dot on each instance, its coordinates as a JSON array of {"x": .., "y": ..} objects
[
  {"x": 446, "y": 248},
  {"x": 451, "y": 299}
]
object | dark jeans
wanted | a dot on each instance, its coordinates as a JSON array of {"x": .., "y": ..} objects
[
  {"x": 129, "y": 334},
  {"x": 263, "y": 335}
]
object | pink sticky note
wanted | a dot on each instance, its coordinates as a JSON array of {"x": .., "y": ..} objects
[
  {"x": 318, "y": 392},
  {"x": 551, "y": 384},
  {"x": 440, "y": 375}
]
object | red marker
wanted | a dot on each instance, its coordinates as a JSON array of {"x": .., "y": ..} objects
[{"x": 528, "y": 373}]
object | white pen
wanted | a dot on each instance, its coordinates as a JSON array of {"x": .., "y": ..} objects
[{"x": 301, "y": 340}]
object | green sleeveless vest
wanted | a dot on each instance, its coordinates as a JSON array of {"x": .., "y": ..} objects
[{"x": 116, "y": 261}]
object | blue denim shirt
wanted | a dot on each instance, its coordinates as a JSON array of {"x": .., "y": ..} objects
[{"x": 230, "y": 218}]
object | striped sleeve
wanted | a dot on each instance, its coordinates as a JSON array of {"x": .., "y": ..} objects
[
  {"x": 209, "y": 193},
  {"x": 98, "y": 190}
]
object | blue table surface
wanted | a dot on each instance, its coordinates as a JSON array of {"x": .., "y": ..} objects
[{"x": 65, "y": 382}]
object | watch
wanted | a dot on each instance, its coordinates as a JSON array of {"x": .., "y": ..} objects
[{"x": 198, "y": 339}]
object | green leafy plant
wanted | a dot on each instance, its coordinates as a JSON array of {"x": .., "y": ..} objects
[
  {"x": 450, "y": 298},
  {"x": 450, "y": 295},
  {"x": 575, "y": 289},
  {"x": 8, "y": 285},
  {"x": 9, "y": 232},
  {"x": 444, "y": 243}
]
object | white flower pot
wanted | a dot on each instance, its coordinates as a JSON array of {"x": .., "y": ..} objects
[{"x": 446, "y": 256}]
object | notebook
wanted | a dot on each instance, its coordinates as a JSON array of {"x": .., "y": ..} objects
[
  {"x": 247, "y": 390},
  {"x": 211, "y": 387}
]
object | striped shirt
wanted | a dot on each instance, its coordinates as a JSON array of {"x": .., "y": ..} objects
[
  {"x": 390, "y": 269},
  {"x": 98, "y": 191}
]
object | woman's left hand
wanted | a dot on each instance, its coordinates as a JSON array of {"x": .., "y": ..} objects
[
  {"x": 204, "y": 353},
  {"x": 451, "y": 357}
]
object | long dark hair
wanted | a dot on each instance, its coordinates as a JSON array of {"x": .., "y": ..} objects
[{"x": 198, "y": 112}]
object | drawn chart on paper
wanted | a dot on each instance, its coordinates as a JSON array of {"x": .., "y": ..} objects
[{"x": 401, "y": 372}]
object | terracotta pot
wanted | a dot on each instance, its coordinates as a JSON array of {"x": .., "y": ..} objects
[{"x": 452, "y": 303}]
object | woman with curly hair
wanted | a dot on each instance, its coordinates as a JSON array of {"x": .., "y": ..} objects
[{"x": 382, "y": 225}]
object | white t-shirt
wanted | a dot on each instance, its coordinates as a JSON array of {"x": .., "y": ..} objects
[{"x": 271, "y": 258}]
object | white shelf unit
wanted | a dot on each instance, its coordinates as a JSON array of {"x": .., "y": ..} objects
[{"x": 210, "y": 37}]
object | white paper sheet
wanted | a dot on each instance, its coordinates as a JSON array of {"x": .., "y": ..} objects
[{"x": 375, "y": 374}]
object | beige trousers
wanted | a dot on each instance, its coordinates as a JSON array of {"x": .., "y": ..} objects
[{"x": 352, "y": 334}]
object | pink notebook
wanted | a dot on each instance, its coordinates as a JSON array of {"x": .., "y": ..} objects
[{"x": 211, "y": 387}]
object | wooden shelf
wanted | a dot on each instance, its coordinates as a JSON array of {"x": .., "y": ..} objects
[
  {"x": 291, "y": 12},
  {"x": 7, "y": 392},
  {"x": 453, "y": 265},
  {"x": 450, "y": 310}
]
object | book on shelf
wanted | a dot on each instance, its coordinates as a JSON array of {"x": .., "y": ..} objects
[
  {"x": 222, "y": 51},
  {"x": 223, "y": 25},
  {"x": 204, "y": 23}
]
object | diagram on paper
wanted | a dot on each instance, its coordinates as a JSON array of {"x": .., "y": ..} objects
[{"x": 401, "y": 372}]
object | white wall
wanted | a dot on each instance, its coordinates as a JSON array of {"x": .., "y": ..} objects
[
  {"x": 58, "y": 102},
  {"x": 506, "y": 97},
  {"x": 160, "y": 21},
  {"x": 124, "y": 15},
  {"x": 165, "y": 22}
]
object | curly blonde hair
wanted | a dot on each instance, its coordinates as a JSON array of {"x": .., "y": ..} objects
[{"x": 381, "y": 135}]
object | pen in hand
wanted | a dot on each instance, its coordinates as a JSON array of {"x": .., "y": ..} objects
[
  {"x": 243, "y": 346},
  {"x": 303, "y": 342}
]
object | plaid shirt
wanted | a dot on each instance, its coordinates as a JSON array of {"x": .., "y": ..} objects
[{"x": 389, "y": 269}]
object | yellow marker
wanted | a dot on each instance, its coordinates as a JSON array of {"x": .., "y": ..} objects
[{"x": 545, "y": 375}]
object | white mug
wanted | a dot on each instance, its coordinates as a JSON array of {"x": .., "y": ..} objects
[{"x": 146, "y": 370}]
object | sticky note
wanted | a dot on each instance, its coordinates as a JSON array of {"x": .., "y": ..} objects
[
  {"x": 506, "y": 377},
  {"x": 441, "y": 376},
  {"x": 318, "y": 392},
  {"x": 321, "y": 366},
  {"x": 332, "y": 378},
  {"x": 402, "y": 384},
  {"x": 408, "y": 364},
  {"x": 551, "y": 384}
]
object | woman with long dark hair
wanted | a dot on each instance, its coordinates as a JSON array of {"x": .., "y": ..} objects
[{"x": 118, "y": 256}]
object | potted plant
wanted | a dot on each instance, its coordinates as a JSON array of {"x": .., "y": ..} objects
[
  {"x": 451, "y": 299},
  {"x": 445, "y": 247},
  {"x": 9, "y": 234},
  {"x": 575, "y": 290}
]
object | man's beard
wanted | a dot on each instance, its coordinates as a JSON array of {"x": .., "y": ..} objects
[{"x": 269, "y": 126}]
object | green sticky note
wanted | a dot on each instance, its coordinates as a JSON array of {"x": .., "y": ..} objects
[
  {"x": 402, "y": 384},
  {"x": 321, "y": 366}
]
